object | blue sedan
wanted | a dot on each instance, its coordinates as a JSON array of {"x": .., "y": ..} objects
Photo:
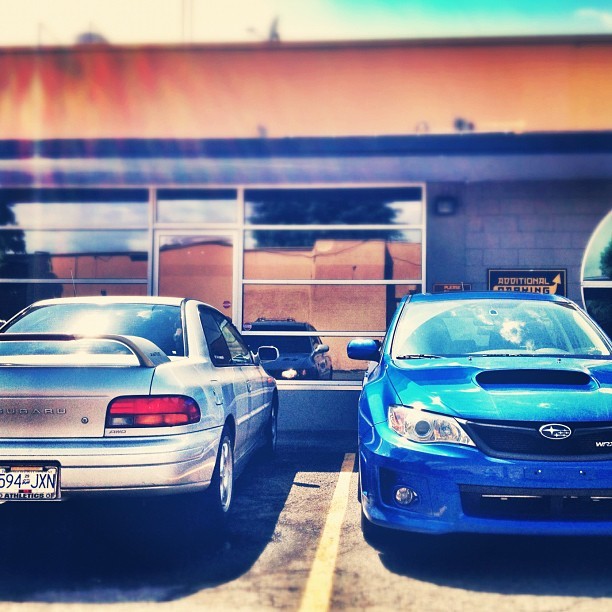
[{"x": 486, "y": 412}]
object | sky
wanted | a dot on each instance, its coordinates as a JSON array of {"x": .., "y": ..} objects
[{"x": 127, "y": 22}]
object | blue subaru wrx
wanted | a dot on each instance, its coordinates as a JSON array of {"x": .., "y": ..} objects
[{"x": 487, "y": 412}]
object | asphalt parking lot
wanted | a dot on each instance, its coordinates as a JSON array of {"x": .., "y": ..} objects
[{"x": 294, "y": 543}]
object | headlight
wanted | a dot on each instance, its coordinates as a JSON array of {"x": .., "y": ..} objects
[{"x": 426, "y": 427}]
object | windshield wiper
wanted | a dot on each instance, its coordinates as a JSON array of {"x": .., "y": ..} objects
[{"x": 418, "y": 356}]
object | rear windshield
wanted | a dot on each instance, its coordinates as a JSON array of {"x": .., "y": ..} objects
[{"x": 159, "y": 323}]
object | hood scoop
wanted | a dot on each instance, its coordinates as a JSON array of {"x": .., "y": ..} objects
[{"x": 495, "y": 379}]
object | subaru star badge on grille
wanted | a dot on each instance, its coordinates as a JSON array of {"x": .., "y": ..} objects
[{"x": 555, "y": 431}]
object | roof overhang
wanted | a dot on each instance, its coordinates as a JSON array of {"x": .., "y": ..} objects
[{"x": 465, "y": 157}]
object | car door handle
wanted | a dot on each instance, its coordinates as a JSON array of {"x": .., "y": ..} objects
[{"x": 249, "y": 386}]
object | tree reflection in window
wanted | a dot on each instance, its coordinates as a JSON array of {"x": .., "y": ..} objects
[
  {"x": 350, "y": 207},
  {"x": 12, "y": 248}
]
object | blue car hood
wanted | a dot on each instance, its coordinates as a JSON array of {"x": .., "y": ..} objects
[{"x": 507, "y": 388}]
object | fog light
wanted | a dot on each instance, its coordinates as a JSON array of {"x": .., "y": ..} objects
[{"x": 405, "y": 496}]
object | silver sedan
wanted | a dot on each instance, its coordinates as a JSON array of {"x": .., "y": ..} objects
[{"x": 130, "y": 395}]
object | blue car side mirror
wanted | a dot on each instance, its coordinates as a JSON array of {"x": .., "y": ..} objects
[{"x": 366, "y": 349}]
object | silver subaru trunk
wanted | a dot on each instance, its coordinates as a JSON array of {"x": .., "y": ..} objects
[{"x": 64, "y": 402}]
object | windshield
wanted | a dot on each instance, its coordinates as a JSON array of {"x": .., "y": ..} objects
[
  {"x": 159, "y": 323},
  {"x": 495, "y": 327}
]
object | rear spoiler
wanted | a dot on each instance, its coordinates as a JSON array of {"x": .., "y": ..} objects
[{"x": 149, "y": 355}]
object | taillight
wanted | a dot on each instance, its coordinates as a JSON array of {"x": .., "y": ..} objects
[{"x": 152, "y": 411}]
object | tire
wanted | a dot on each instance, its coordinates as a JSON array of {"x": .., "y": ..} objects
[
  {"x": 271, "y": 441},
  {"x": 219, "y": 496},
  {"x": 201, "y": 518}
]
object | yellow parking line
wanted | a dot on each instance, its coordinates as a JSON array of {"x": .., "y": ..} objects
[{"x": 317, "y": 594}]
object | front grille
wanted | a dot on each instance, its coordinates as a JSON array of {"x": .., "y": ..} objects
[
  {"x": 537, "y": 504},
  {"x": 523, "y": 440}
]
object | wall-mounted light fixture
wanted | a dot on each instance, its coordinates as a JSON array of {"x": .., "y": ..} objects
[{"x": 445, "y": 205}]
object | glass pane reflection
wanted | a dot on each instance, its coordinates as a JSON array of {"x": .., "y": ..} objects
[
  {"x": 64, "y": 208},
  {"x": 308, "y": 358},
  {"x": 199, "y": 266},
  {"x": 325, "y": 307},
  {"x": 349, "y": 255},
  {"x": 355, "y": 206},
  {"x": 65, "y": 254},
  {"x": 16, "y": 296},
  {"x": 196, "y": 206}
]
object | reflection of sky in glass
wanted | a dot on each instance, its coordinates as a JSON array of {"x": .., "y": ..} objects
[
  {"x": 601, "y": 239},
  {"x": 168, "y": 242},
  {"x": 191, "y": 211},
  {"x": 407, "y": 212},
  {"x": 112, "y": 241},
  {"x": 72, "y": 214}
]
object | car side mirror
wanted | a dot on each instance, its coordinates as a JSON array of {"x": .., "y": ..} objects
[
  {"x": 364, "y": 349},
  {"x": 267, "y": 353},
  {"x": 320, "y": 348}
]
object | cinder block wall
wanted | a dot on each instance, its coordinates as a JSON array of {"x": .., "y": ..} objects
[{"x": 535, "y": 224}]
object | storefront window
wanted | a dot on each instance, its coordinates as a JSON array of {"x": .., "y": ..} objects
[
  {"x": 323, "y": 265},
  {"x": 85, "y": 254},
  {"x": 15, "y": 296},
  {"x": 329, "y": 263},
  {"x": 342, "y": 206},
  {"x": 196, "y": 206},
  {"x": 199, "y": 265},
  {"x": 338, "y": 255},
  {"x": 350, "y": 308},
  {"x": 62, "y": 242},
  {"x": 308, "y": 358},
  {"x": 65, "y": 208}
]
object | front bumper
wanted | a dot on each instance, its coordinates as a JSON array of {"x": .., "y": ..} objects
[
  {"x": 459, "y": 489},
  {"x": 141, "y": 466}
]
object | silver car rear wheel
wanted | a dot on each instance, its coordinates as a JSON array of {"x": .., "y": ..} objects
[
  {"x": 205, "y": 514},
  {"x": 220, "y": 493},
  {"x": 225, "y": 475}
]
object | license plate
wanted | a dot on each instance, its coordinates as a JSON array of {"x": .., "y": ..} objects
[{"x": 37, "y": 483}]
